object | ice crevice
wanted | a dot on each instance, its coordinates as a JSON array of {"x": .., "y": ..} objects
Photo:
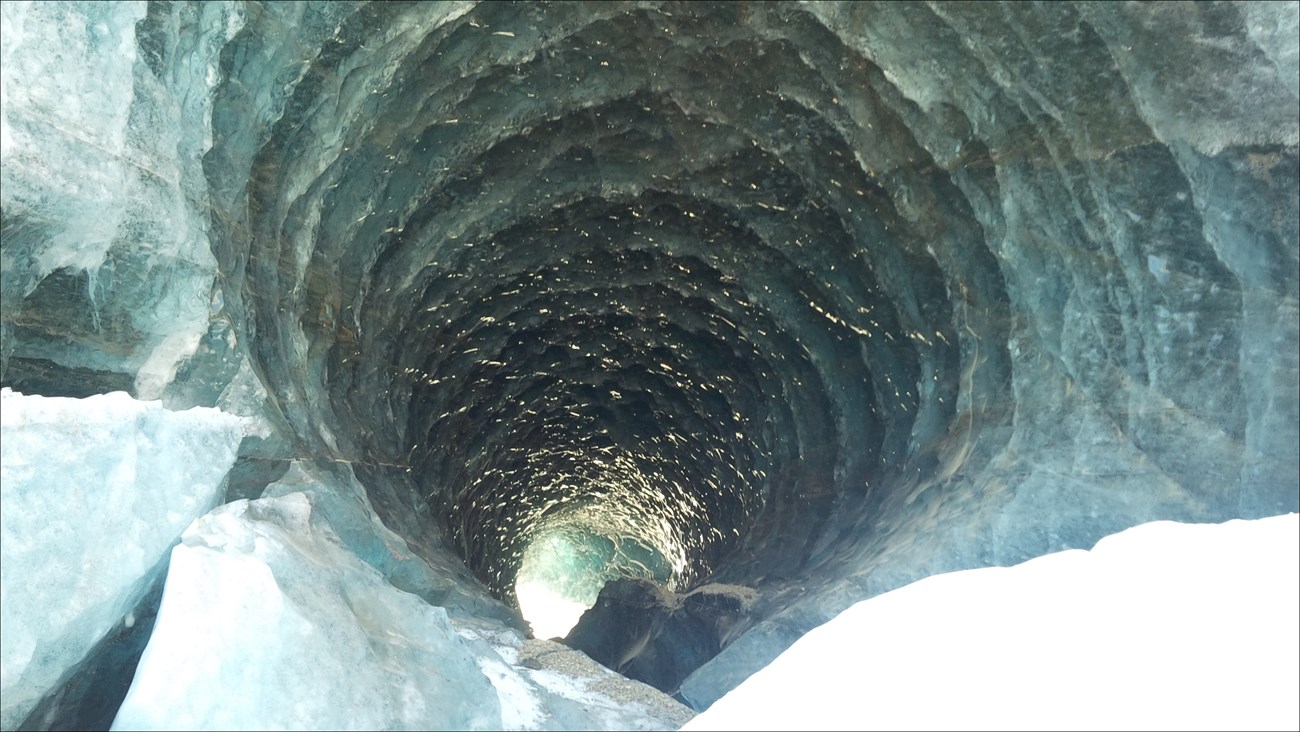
[{"x": 709, "y": 320}]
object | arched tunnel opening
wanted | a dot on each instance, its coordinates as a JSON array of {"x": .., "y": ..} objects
[
  {"x": 610, "y": 292},
  {"x": 751, "y": 309},
  {"x": 694, "y": 294}
]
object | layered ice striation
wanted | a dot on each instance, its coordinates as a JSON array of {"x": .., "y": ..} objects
[
  {"x": 107, "y": 267},
  {"x": 95, "y": 491}
]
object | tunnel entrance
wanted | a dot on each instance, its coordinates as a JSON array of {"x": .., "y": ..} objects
[
  {"x": 589, "y": 314},
  {"x": 666, "y": 328}
]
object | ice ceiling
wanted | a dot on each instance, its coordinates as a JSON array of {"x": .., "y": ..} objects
[
  {"x": 808, "y": 298},
  {"x": 646, "y": 309}
]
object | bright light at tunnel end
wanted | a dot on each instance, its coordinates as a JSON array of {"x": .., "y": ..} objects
[
  {"x": 549, "y": 614},
  {"x": 555, "y": 584}
]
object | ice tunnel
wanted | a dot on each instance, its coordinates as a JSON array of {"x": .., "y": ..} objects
[{"x": 765, "y": 307}]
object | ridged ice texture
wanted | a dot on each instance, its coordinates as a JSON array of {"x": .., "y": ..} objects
[
  {"x": 814, "y": 298},
  {"x": 107, "y": 269},
  {"x": 809, "y": 284}
]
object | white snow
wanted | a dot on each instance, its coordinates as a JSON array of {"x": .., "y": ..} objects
[
  {"x": 94, "y": 492},
  {"x": 102, "y": 173},
  {"x": 520, "y": 707},
  {"x": 1162, "y": 626}
]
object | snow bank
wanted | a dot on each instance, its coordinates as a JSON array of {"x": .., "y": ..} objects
[{"x": 1162, "y": 626}]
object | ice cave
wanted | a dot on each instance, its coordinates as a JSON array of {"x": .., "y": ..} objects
[{"x": 563, "y": 365}]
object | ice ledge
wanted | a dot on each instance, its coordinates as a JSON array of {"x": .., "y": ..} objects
[
  {"x": 271, "y": 619},
  {"x": 95, "y": 491}
]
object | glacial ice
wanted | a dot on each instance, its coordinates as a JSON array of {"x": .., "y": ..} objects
[
  {"x": 1162, "y": 626},
  {"x": 94, "y": 491},
  {"x": 102, "y": 181},
  {"x": 281, "y": 612},
  {"x": 913, "y": 287},
  {"x": 267, "y": 621}
]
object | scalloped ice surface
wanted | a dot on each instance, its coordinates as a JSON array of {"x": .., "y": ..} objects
[{"x": 810, "y": 299}]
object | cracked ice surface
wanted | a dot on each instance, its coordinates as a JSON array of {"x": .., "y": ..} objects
[{"x": 94, "y": 491}]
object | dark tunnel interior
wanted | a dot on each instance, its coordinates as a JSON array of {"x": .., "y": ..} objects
[{"x": 627, "y": 287}]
